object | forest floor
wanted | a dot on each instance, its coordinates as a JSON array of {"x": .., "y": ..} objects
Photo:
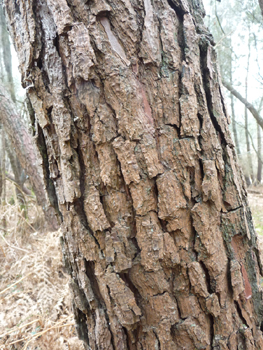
[
  {"x": 35, "y": 300},
  {"x": 35, "y": 311}
]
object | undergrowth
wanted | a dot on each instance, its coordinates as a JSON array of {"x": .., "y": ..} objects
[
  {"x": 35, "y": 310},
  {"x": 255, "y": 197}
]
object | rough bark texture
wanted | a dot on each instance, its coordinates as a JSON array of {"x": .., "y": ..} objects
[
  {"x": 26, "y": 152},
  {"x": 133, "y": 130}
]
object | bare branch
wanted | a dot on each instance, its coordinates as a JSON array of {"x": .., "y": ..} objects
[{"x": 249, "y": 106}]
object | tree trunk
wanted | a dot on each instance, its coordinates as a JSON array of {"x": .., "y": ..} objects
[
  {"x": 19, "y": 175},
  {"x": 133, "y": 131},
  {"x": 249, "y": 156},
  {"x": 233, "y": 114},
  {"x": 7, "y": 59},
  {"x": 234, "y": 125},
  {"x": 249, "y": 170},
  {"x": 259, "y": 155},
  {"x": 1, "y": 166},
  {"x": 26, "y": 153},
  {"x": 6, "y": 52},
  {"x": 261, "y": 6},
  {"x": 3, "y": 179}
]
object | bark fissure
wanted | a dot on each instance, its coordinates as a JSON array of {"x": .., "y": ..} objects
[
  {"x": 80, "y": 319},
  {"x": 179, "y": 10},
  {"x": 240, "y": 314},
  {"x": 207, "y": 277},
  {"x": 93, "y": 280},
  {"x": 158, "y": 347},
  {"x": 212, "y": 116},
  {"x": 211, "y": 329},
  {"x": 49, "y": 184},
  {"x": 235, "y": 209}
]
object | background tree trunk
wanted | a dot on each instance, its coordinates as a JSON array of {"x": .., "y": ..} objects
[
  {"x": 249, "y": 157},
  {"x": 26, "y": 154},
  {"x": 234, "y": 125},
  {"x": 259, "y": 155},
  {"x": 9, "y": 84},
  {"x": 3, "y": 171},
  {"x": 133, "y": 131},
  {"x": 6, "y": 52}
]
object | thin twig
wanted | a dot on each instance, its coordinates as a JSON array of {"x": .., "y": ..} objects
[
  {"x": 12, "y": 246},
  {"x": 2, "y": 251},
  {"x": 218, "y": 20},
  {"x": 26, "y": 221},
  {"x": 223, "y": 37},
  {"x": 44, "y": 331},
  {"x": 16, "y": 329},
  {"x": 12, "y": 285}
]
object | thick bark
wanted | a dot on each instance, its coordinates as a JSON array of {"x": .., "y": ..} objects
[
  {"x": 26, "y": 153},
  {"x": 157, "y": 235}
]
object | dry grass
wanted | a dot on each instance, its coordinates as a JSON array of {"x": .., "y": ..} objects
[{"x": 35, "y": 310}]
